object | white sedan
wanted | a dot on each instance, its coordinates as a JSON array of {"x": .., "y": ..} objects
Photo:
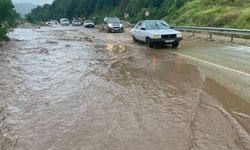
[
  {"x": 154, "y": 32},
  {"x": 64, "y": 22}
]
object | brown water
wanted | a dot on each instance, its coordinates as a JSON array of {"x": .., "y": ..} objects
[{"x": 77, "y": 89}]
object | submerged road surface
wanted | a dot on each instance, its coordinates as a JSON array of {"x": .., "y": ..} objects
[{"x": 65, "y": 88}]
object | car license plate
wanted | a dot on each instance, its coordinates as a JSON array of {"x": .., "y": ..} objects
[{"x": 169, "y": 41}]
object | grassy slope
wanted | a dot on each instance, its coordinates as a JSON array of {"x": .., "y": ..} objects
[{"x": 217, "y": 13}]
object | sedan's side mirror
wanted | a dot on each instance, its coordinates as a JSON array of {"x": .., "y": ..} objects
[
  {"x": 171, "y": 27},
  {"x": 143, "y": 29}
]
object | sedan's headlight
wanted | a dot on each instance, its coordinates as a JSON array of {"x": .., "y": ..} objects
[
  {"x": 120, "y": 25},
  {"x": 156, "y": 36},
  {"x": 110, "y": 25},
  {"x": 179, "y": 35}
]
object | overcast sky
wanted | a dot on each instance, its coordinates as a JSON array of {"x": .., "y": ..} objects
[{"x": 36, "y": 2}]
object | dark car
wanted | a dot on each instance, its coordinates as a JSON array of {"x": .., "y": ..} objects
[{"x": 112, "y": 24}]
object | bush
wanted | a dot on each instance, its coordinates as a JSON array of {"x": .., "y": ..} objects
[
  {"x": 7, "y": 18},
  {"x": 226, "y": 19},
  {"x": 3, "y": 33}
]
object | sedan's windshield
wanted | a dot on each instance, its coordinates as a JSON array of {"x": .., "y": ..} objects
[
  {"x": 64, "y": 20},
  {"x": 157, "y": 25},
  {"x": 113, "y": 19},
  {"x": 88, "y": 21}
]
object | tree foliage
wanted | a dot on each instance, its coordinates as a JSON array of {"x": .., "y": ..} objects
[
  {"x": 222, "y": 13},
  {"x": 7, "y": 18}
]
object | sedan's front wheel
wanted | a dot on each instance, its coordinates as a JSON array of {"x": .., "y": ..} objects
[
  {"x": 106, "y": 29},
  {"x": 175, "y": 45},
  {"x": 149, "y": 43}
]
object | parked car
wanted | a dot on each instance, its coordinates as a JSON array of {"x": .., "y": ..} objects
[
  {"x": 52, "y": 23},
  {"x": 154, "y": 32},
  {"x": 64, "y": 22},
  {"x": 112, "y": 24},
  {"x": 88, "y": 24},
  {"x": 76, "y": 22}
]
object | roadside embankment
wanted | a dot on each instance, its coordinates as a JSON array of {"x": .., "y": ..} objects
[{"x": 219, "y": 38}]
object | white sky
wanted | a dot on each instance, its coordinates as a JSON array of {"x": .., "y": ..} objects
[{"x": 36, "y": 2}]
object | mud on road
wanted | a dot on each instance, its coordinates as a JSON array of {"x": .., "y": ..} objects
[{"x": 79, "y": 89}]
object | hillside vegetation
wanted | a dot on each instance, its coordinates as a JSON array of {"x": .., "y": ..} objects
[
  {"x": 217, "y": 13},
  {"x": 7, "y": 18}
]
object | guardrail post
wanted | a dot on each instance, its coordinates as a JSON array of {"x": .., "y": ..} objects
[
  {"x": 192, "y": 34},
  {"x": 210, "y": 36},
  {"x": 232, "y": 38}
]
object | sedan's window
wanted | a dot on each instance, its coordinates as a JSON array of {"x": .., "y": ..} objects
[
  {"x": 143, "y": 25},
  {"x": 138, "y": 26}
]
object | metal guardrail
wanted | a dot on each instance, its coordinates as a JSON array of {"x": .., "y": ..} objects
[{"x": 210, "y": 30}]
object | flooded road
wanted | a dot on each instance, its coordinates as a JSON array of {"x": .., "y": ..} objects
[{"x": 79, "y": 89}]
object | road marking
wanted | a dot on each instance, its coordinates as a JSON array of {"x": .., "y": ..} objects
[
  {"x": 241, "y": 114},
  {"x": 213, "y": 64}
]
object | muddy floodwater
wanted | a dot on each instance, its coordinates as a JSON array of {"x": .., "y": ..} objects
[{"x": 69, "y": 88}]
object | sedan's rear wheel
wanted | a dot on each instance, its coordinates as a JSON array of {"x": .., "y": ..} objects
[
  {"x": 134, "y": 39},
  {"x": 149, "y": 42}
]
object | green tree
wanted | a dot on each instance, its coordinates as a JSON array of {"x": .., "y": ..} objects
[{"x": 7, "y": 18}]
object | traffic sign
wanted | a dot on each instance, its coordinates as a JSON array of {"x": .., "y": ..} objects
[
  {"x": 126, "y": 15},
  {"x": 146, "y": 13}
]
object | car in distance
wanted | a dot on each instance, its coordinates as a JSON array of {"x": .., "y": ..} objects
[
  {"x": 64, "y": 22},
  {"x": 76, "y": 22},
  {"x": 52, "y": 23},
  {"x": 88, "y": 24},
  {"x": 154, "y": 32},
  {"x": 112, "y": 24}
]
